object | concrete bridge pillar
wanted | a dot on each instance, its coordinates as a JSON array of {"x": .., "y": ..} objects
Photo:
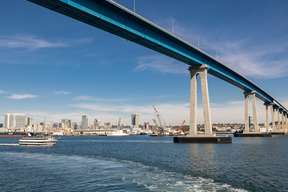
[
  {"x": 282, "y": 121},
  {"x": 278, "y": 119},
  {"x": 206, "y": 101},
  {"x": 255, "y": 117},
  {"x": 193, "y": 102},
  {"x": 286, "y": 123},
  {"x": 202, "y": 71},
  {"x": 276, "y": 113},
  {"x": 246, "y": 113},
  {"x": 273, "y": 111},
  {"x": 267, "y": 117},
  {"x": 254, "y": 112}
]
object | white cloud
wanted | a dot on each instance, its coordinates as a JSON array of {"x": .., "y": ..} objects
[
  {"x": 112, "y": 108},
  {"x": 99, "y": 99},
  {"x": 161, "y": 63},
  {"x": 257, "y": 60},
  {"x": 28, "y": 42},
  {"x": 22, "y": 96},
  {"x": 2, "y": 92},
  {"x": 110, "y": 112},
  {"x": 50, "y": 117},
  {"x": 84, "y": 98},
  {"x": 172, "y": 113},
  {"x": 62, "y": 92}
]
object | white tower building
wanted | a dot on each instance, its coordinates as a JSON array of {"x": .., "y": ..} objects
[
  {"x": 15, "y": 121},
  {"x": 84, "y": 122}
]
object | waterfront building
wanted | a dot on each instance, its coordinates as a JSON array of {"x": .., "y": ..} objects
[
  {"x": 107, "y": 125},
  {"x": 55, "y": 125},
  {"x": 15, "y": 120},
  {"x": 66, "y": 123},
  {"x": 74, "y": 125},
  {"x": 146, "y": 126},
  {"x": 84, "y": 122},
  {"x": 96, "y": 124},
  {"x": 135, "y": 120},
  {"x": 28, "y": 121}
]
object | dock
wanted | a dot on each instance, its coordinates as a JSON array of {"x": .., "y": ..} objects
[
  {"x": 251, "y": 134},
  {"x": 203, "y": 139},
  {"x": 278, "y": 133}
]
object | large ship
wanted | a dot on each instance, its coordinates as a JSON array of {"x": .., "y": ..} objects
[{"x": 38, "y": 141}]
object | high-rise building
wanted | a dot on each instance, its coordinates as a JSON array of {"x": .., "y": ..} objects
[
  {"x": 28, "y": 121},
  {"x": 84, "y": 122},
  {"x": 66, "y": 123},
  {"x": 96, "y": 124},
  {"x": 135, "y": 120},
  {"x": 146, "y": 126},
  {"x": 15, "y": 121},
  {"x": 74, "y": 125},
  {"x": 55, "y": 125}
]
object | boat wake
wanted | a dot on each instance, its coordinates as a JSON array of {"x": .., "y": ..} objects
[
  {"x": 100, "y": 174},
  {"x": 9, "y": 144}
]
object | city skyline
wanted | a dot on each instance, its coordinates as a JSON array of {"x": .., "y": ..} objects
[{"x": 121, "y": 78}]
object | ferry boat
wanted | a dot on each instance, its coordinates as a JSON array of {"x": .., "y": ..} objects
[
  {"x": 38, "y": 141},
  {"x": 117, "y": 133}
]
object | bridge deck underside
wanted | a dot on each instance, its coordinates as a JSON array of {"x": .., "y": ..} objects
[{"x": 118, "y": 20}]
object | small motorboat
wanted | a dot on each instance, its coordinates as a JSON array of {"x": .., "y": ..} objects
[{"x": 38, "y": 141}]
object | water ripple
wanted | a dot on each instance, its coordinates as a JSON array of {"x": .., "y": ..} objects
[{"x": 51, "y": 172}]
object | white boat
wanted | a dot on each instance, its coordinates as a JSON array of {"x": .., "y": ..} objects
[
  {"x": 38, "y": 141},
  {"x": 117, "y": 133},
  {"x": 58, "y": 133}
]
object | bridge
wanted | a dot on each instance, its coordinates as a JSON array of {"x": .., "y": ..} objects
[{"x": 118, "y": 20}]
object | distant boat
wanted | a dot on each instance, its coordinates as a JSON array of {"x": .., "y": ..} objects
[
  {"x": 117, "y": 133},
  {"x": 59, "y": 133},
  {"x": 38, "y": 141}
]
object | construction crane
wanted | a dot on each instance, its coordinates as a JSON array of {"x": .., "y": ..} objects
[
  {"x": 183, "y": 123},
  {"x": 158, "y": 116},
  {"x": 161, "y": 123}
]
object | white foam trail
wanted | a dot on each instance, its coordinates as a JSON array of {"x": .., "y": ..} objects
[
  {"x": 109, "y": 172},
  {"x": 9, "y": 144}
]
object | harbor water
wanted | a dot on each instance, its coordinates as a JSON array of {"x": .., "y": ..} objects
[{"x": 143, "y": 163}]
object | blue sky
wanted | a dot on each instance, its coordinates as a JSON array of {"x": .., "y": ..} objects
[{"x": 54, "y": 67}]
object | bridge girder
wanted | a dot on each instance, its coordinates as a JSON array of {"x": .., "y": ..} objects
[{"x": 122, "y": 22}]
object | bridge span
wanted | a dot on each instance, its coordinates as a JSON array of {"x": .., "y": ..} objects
[{"x": 116, "y": 19}]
